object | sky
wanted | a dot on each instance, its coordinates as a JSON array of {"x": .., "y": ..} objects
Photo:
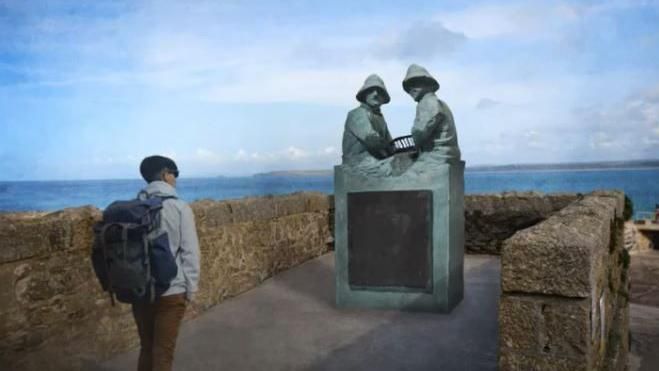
[{"x": 89, "y": 88}]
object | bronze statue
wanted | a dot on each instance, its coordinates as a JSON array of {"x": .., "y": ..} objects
[
  {"x": 366, "y": 138},
  {"x": 433, "y": 131}
]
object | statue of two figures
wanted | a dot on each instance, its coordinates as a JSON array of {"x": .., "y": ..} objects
[{"x": 368, "y": 147}]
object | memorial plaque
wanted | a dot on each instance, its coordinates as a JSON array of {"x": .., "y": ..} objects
[{"x": 390, "y": 240}]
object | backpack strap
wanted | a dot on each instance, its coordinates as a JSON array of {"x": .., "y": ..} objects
[
  {"x": 152, "y": 290},
  {"x": 143, "y": 195}
]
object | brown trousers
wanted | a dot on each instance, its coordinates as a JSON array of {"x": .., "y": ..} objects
[{"x": 157, "y": 325}]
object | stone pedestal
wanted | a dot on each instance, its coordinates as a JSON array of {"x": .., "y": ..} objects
[{"x": 399, "y": 241}]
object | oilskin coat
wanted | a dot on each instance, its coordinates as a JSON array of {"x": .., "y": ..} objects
[
  {"x": 434, "y": 130},
  {"x": 366, "y": 137}
]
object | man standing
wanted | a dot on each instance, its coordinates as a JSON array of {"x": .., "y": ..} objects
[
  {"x": 433, "y": 131},
  {"x": 158, "y": 322},
  {"x": 366, "y": 137}
]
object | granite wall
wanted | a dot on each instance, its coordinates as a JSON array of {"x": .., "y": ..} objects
[
  {"x": 53, "y": 313},
  {"x": 565, "y": 289},
  {"x": 54, "y": 316},
  {"x": 491, "y": 218}
]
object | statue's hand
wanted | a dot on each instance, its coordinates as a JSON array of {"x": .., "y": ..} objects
[
  {"x": 391, "y": 149},
  {"x": 441, "y": 116}
]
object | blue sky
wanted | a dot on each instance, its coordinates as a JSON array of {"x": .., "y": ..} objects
[{"x": 87, "y": 89}]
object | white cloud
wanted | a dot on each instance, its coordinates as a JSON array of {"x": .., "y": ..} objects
[
  {"x": 101, "y": 159},
  {"x": 195, "y": 53},
  {"x": 294, "y": 153},
  {"x": 291, "y": 156},
  {"x": 530, "y": 21},
  {"x": 329, "y": 150},
  {"x": 192, "y": 51},
  {"x": 518, "y": 19},
  {"x": 241, "y": 155},
  {"x": 317, "y": 86},
  {"x": 602, "y": 140},
  {"x": 487, "y": 103},
  {"x": 171, "y": 153},
  {"x": 534, "y": 140},
  {"x": 651, "y": 142},
  {"x": 624, "y": 129},
  {"x": 423, "y": 40},
  {"x": 209, "y": 157}
]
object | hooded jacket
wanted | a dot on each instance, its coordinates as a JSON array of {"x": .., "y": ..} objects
[{"x": 177, "y": 220}]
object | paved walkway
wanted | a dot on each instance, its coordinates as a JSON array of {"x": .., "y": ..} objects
[
  {"x": 290, "y": 323},
  {"x": 644, "y": 311}
]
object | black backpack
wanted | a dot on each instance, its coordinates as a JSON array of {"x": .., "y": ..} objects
[{"x": 130, "y": 261}]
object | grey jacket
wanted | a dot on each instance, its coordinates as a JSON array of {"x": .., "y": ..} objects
[{"x": 177, "y": 220}]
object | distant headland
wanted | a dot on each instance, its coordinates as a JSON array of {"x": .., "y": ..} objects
[
  {"x": 300, "y": 173},
  {"x": 633, "y": 164}
]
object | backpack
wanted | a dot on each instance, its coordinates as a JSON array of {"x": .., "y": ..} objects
[{"x": 131, "y": 262}]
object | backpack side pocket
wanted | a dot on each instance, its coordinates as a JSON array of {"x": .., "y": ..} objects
[{"x": 163, "y": 263}]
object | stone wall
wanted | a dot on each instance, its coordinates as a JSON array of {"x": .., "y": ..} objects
[
  {"x": 53, "y": 313},
  {"x": 565, "y": 290},
  {"x": 491, "y": 218},
  {"x": 54, "y": 316}
]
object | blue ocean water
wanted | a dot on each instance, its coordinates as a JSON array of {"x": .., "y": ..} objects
[{"x": 641, "y": 185}]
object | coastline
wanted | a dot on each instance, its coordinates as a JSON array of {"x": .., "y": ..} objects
[
  {"x": 322, "y": 173},
  {"x": 640, "y": 168}
]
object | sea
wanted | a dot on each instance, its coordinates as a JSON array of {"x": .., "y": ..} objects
[{"x": 641, "y": 185}]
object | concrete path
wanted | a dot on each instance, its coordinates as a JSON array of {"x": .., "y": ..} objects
[
  {"x": 644, "y": 310},
  {"x": 290, "y": 323}
]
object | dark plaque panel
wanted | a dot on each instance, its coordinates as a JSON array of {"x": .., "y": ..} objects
[{"x": 390, "y": 240}]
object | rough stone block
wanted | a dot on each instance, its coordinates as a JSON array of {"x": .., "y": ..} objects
[
  {"x": 525, "y": 362},
  {"x": 519, "y": 324},
  {"x": 562, "y": 255},
  {"x": 617, "y": 195},
  {"x": 291, "y": 204},
  {"x": 211, "y": 214},
  {"x": 318, "y": 202},
  {"x": 492, "y": 218},
  {"x": 24, "y": 238},
  {"x": 564, "y": 305},
  {"x": 544, "y": 326},
  {"x": 567, "y": 327}
]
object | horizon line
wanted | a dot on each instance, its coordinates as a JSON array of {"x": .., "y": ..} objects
[{"x": 652, "y": 163}]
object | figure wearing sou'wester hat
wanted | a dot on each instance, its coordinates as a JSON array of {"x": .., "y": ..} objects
[
  {"x": 366, "y": 137},
  {"x": 433, "y": 131}
]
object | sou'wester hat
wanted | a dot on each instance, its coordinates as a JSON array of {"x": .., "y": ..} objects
[
  {"x": 418, "y": 73},
  {"x": 373, "y": 82}
]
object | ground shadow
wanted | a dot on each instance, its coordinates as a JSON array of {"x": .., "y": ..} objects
[{"x": 465, "y": 339}]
